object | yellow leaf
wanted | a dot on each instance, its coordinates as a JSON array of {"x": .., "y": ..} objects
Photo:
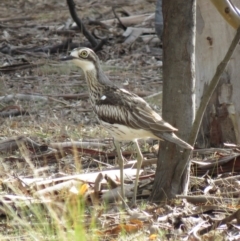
[
  {"x": 83, "y": 189},
  {"x": 153, "y": 237}
]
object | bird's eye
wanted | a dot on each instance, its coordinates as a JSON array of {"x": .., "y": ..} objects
[{"x": 83, "y": 54}]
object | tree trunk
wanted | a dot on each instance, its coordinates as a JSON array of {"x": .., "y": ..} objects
[{"x": 178, "y": 95}]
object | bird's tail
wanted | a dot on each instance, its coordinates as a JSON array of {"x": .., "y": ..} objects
[{"x": 170, "y": 136}]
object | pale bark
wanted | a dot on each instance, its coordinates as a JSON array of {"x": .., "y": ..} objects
[{"x": 221, "y": 122}]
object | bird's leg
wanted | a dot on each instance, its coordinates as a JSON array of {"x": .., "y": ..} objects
[
  {"x": 139, "y": 164},
  {"x": 120, "y": 162}
]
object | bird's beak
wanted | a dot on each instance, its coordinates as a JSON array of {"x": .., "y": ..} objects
[{"x": 68, "y": 58}]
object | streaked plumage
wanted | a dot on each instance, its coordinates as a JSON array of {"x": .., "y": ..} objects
[{"x": 125, "y": 115}]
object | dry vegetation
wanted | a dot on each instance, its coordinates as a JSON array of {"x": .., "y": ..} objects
[{"x": 58, "y": 170}]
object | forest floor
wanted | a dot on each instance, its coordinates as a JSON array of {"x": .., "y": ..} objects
[{"x": 55, "y": 157}]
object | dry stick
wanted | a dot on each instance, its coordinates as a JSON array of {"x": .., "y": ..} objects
[
  {"x": 201, "y": 110},
  {"x": 77, "y": 20},
  {"x": 116, "y": 16}
]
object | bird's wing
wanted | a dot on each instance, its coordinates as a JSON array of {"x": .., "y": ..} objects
[{"x": 118, "y": 106}]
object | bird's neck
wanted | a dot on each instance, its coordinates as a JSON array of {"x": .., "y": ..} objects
[{"x": 97, "y": 80}]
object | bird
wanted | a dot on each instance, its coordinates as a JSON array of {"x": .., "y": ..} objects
[{"x": 125, "y": 115}]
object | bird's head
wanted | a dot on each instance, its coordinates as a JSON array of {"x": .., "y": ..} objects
[
  {"x": 88, "y": 61},
  {"x": 85, "y": 58}
]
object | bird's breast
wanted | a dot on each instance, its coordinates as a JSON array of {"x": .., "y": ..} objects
[{"x": 124, "y": 133}]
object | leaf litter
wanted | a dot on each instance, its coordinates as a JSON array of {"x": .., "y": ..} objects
[{"x": 58, "y": 165}]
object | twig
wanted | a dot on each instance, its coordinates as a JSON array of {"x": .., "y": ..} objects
[
  {"x": 120, "y": 22},
  {"x": 100, "y": 44},
  {"x": 91, "y": 39}
]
